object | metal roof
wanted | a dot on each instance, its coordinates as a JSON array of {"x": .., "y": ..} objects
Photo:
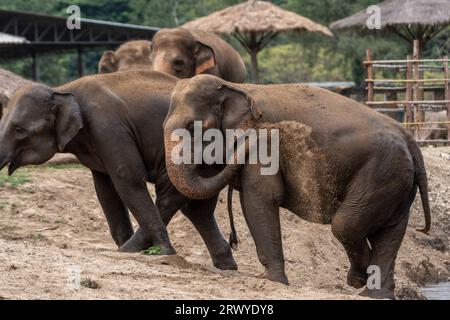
[
  {"x": 10, "y": 39},
  {"x": 48, "y": 33}
]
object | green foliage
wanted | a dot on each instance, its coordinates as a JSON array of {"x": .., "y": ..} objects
[
  {"x": 155, "y": 250},
  {"x": 292, "y": 57}
]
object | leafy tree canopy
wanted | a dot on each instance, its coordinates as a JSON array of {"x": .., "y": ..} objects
[{"x": 292, "y": 57}]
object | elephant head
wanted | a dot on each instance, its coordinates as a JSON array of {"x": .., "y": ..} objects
[
  {"x": 181, "y": 53},
  {"x": 39, "y": 123},
  {"x": 217, "y": 104},
  {"x": 132, "y": 55}
]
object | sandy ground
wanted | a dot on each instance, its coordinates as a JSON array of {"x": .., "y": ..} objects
[{"x": 52, "y": 229}]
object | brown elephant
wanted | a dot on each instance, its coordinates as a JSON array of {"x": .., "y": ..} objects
[
  {"x": 341, "y": 163},
  {"x": 132, "y": 55},
  {"x": 183, "y": 54},
  {"x": 113, "y": 124}
]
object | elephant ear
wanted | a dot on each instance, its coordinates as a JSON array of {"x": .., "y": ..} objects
[
  {"x": 205, "y": 58},
  {"x": 240, "y": 101},
  {"x": 68, "y": 120},
  {"x": 108, "y": 62}
]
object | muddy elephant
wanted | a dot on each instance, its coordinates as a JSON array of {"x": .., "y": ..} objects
[
  {"x": 340, "y": 163},
  {"x": 118, "y": 134},
  {"x": 132, "y": 55},
  {"x": 183, "y": 53}
]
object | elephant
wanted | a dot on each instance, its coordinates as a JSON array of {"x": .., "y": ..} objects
[
  {"x": 183, "y": 54},
  {"x": 132, "y": 55},
  {"x": 118, "y": 135},
  {"x": 434, "y": 131},
  {"x": 340, "y": 163}
]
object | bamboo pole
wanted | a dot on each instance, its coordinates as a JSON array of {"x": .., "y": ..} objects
[
  {"x": 406, "y": 61},
  {"x": 447, "y": 93},
  {"x": 445, "y": 102},
  {"x": 409, "y": 96},
  {"x": 407, "y": 80},
  {"x": 370, "y": 76},
  {"x": 418, "y": 93}
]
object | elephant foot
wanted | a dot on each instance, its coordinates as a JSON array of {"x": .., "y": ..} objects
[
  {"x": 139, "y": 242},
  {"x": 276, "y": 276},
  {"x": 132, "y": 248},
  {"x": 224, "y": 261},
  {"x": 356, "y": 280},
  {"x": 378, "y": 293}
]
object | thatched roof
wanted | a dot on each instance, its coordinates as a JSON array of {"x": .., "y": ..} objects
[
  {"x": 255, "y": 16},
  {"x": 433, "y": 13},
  {"x": 9, "y": 83}
]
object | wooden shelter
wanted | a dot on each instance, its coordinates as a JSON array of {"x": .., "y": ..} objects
[
  {"x": 416, "y": 21},
  {"x": 255, "y": 24},
  {"x": 28, "y": 34}
]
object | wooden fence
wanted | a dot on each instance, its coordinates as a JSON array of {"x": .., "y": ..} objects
[{"x": 420, "y": 94}]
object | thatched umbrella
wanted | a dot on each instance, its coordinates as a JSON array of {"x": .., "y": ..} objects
[
  {"x": 410, "y": 19},
  {"x": 255, "y": 24}
]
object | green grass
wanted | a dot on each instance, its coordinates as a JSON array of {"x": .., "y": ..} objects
[
  {"x": 18, "y": 178},
  {"x": 65, "y": 166},
  {"x": 155, "y": 250}
]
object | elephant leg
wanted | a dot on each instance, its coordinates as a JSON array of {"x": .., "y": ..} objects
[
  {"x": 372, "y": 203},
  {"x": 355, "y": 245},
  {"x": 168, "y": 201},
  {"x": 114, "y": 209},
  {"x": 385, "y": 245},
  {"x": 129, "y": 179},
  {"x": 201, "y": 214},
  {"x": 167, "y": 204},
  {"x": 263, "y": 219}
]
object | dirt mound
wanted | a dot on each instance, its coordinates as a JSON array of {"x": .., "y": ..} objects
[{"x": 52, "y": 230}]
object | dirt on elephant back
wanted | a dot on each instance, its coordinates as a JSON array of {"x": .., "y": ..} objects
[{"x": 52, "y": 231}]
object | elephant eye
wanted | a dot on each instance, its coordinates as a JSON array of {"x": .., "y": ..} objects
[
  {"x": 20, "y": 130},
  {"x": 178, "y": 63}
]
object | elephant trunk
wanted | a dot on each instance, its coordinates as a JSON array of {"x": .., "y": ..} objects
[{"x": 187, "y": 178}]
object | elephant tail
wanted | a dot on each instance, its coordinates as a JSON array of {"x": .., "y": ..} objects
[
  {"x": 233, "y": 235},
  {"x": 420, "y": 179}
]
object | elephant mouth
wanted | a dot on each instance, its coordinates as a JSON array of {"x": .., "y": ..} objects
[{"x": 14, "y": 164}]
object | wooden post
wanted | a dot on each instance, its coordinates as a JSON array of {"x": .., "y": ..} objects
[
  {"x": 418, "y": 91},
  {"x": 409, "y": 96},
  {"x": 34, "y": 70},
  {"x": 80, "y": 65},
  {"x": 447, "y": 93},
  {"x": 370, "y": 76}
]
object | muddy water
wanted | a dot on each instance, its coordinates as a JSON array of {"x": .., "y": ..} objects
[{"x": 439, "y": 291}]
